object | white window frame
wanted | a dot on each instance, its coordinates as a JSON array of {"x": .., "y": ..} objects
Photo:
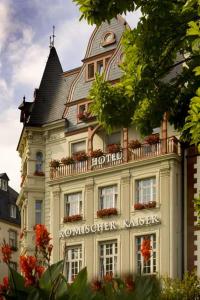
[
  {"x": 38, "y": 211},
  {"x": 105, "y": 247},
  {"x": 13, "y": 211},
  {"x": 12, "y": 238},
  {"x": 141, "y": 192},
  {"x": 149, "y": 267},
  {"x": 70, "y": 211},
  {"x": 104, "y": 192},
  {"x": 73, "y": 265}
]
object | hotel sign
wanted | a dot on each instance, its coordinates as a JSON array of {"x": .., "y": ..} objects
[
  {"x": 107, "y": 158},
  {"x": 109, "y": 226}
]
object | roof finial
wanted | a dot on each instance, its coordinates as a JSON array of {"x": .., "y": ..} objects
[
  {"x": 51, "y": 44},
  {"x": 53, "y": 36}
]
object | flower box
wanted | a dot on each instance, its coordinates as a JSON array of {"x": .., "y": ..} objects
[
  {"x": 67, "y": 160},
  {"x": 73, "y": 218},
  {"x": 97, "y": 153},
  {"x": 138, "y": 206},
  {"x": 134, "y": 144},
  {"x": 152, "y": 139},
  {"x": 39, "y": 173},
  {"x": 80, "y": 156},
  {"x": 114, "y": 148},
  {"x": 85, "y": 116},
  {"x": 106, "y": 212},
  {"x": 54, "y": 163},
  {"x": 151, "y": 204}
]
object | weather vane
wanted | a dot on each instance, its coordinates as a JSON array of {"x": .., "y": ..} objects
[{"x": 52, "y": 38}]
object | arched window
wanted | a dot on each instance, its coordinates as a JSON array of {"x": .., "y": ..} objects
[{"x": 39, "y": 162}]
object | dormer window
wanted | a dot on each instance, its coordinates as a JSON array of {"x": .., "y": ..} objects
[
  {"x": 83, "y": 112},
  {"x": 97, "y": 66},
  {"x": 13, "y": 211},
  {"x": 4, "y": 185},
  {"x": 91, "y": 71},
  {"x": 108, "y": 39}
]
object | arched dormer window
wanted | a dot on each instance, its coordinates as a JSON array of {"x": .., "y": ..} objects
[
  {"x": 108, "y": 39},
  {"x": 39, "y": 164}
]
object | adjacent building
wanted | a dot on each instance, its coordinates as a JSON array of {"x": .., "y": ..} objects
[
  {"x": 9, "y": 222},
  {"x": 99, "y": 195}
]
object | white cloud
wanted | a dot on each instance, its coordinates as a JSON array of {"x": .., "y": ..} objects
[
  {"x": 5, "y": 21},
  {"x": 9, "y": 134}
]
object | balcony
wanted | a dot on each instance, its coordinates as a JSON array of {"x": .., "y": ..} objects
[{"x": 145, "y": 151}]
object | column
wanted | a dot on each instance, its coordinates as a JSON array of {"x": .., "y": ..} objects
[
  {"x": 125, "y": 144},
  {"x": 55, "y": 223}
]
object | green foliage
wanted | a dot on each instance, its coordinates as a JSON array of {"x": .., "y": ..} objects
[
  {"x": 97, "y": 11},
  {"x": 161, "y": 64},
  {"x": 107, "y": 99},
  {"x": 197, "y": 208},
  {"x": 192, "y": 126},
  {"x": 186, "y": 289}
]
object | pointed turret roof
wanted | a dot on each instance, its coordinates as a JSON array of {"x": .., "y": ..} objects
[{"x": 49, "y": 100}]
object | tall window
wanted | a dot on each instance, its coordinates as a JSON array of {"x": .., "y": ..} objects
[
  {"x": 108, "y": 197},
  {"x": 73, "y": 204},
  {"x": 78, "y": 147},
  {"x": 13, "y": 211},
  {"x": 13, "y": 238},
  {"x": 38, "y": 212},
  {"x": 146, "y": 190},
  {"x": 149, "y": 266},
  {"x": 39, "y": 162},
  {"x": 74, "y": 262},
  {"x": 108, "y": 258}
]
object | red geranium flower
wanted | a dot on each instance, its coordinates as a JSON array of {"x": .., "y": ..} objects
[
  {"x": 146, "y": 249},
  {"x": 31, "y": 269},
  {"x": 42, "y": 237},
  {"x": 6, "y": 252}
]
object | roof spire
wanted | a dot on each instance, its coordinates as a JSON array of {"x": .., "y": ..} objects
[{"x": 52, "y": 38}]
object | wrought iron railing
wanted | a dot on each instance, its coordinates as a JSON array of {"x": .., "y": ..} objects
[{"x": 145, "y": 151}]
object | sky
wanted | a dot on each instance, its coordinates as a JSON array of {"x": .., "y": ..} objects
[{"x": 25, "y": 28}]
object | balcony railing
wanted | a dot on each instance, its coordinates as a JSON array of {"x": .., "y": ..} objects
[{"x": 145, "y": 151}]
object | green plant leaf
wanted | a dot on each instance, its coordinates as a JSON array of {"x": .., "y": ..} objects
[{"x": 47, "y": 281}]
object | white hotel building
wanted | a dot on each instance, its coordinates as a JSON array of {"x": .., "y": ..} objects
[{"x": 98, "y": 210}]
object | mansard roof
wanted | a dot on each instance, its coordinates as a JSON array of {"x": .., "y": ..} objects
[
  {"x": 6, "y": 199},
  {"x": 58, "y": 87}
]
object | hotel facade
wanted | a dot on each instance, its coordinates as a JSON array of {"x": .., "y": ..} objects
[{"x": 99, "y": 195}]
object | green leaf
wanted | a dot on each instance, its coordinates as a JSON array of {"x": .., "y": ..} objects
[
  {"x": 78, "y": 287},
  {"x": 197, "y": 71},
  {"x": 47, "y": 281}
]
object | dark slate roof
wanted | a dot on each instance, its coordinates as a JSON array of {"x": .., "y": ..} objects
[
  {"x": 52, "y": 93},
  {"x": 4, "y": 176},
  {"x": 6, "y": 199}
]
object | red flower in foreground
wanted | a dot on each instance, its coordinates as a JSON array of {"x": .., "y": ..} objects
[
  {"x": 4, "y": 287},
  {"x": 96, "y": 285},
  {"x": 31, "y": 269},
  {"x": 129, "y": 283},
  {"x": 42, "y": 237},
  {"x": 146, "y": 249},
  {"x": 6, "y": 253},
  {"x": 108, "y": 277}
]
